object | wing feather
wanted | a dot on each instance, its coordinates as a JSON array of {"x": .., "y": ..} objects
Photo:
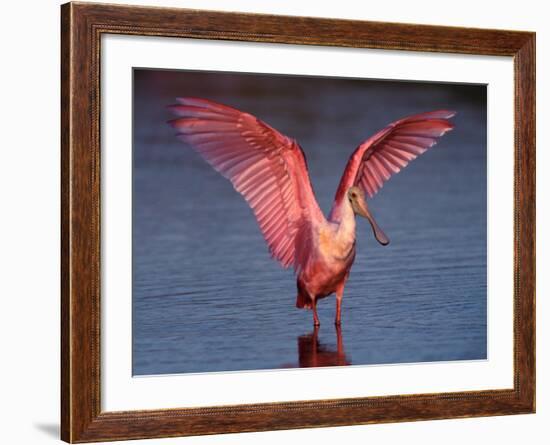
[
  {"x": 386, "y": 153},
  {"x": 267, "y": 168}
]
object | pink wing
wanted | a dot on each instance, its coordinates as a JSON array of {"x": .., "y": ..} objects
[
  {"x": 266, "y": 167},
  {"x": 390, "y": 150}
]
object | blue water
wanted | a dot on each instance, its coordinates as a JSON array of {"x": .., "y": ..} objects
[{"x": 207, "y": 296}]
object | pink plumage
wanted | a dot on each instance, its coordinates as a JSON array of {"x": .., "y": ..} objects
[
  {"x": 266, "y": 167},
  {"x": 269, "y": 170},
  {"x": 390, "y": 150}
]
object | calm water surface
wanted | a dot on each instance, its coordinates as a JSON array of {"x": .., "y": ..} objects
[{"x": 207, "y": 296}]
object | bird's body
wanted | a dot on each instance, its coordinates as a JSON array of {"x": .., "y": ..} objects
[
  {"x": 329, "y": 253},
  {"x": 270, "y": 171}
]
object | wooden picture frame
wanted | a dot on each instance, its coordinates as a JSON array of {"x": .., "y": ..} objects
[{"x": 82, "y": 26}]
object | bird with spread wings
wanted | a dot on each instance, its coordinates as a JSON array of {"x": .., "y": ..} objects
[{"x": 270, "y": 171}]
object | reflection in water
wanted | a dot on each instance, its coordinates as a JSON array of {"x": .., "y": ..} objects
[{"x": 312, "y": 353}]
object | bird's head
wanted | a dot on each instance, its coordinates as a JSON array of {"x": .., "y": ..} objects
[{"x": 356, "y": 198}]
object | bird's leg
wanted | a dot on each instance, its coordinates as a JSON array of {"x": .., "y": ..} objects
[
  {"x": 340, "y": 353},
  {"x": 339, "y": 296},
  {"x": 316, "y": 321}
]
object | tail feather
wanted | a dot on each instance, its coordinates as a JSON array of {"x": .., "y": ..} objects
[{"x": 303, "y": 301}]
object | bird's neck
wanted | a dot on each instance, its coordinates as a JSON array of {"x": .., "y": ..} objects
[
  {"x": 341, "y": 208},
  {"x": 346, "y": 223}
]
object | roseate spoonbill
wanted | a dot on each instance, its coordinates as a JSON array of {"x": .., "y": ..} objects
[{"x": 269, "y": 170}]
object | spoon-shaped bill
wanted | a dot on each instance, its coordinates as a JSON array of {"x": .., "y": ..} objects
[{"x": 362, "y": 210}]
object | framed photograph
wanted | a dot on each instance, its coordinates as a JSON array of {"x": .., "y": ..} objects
[{"x": 275, "y": 222}]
